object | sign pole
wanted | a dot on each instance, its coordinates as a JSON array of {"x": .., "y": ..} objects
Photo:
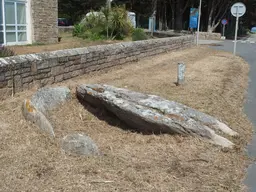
[
  {"x": 198, "y": 26},
  {"x": 237, "y": 20},
  {"x": 237, "y": 10},
  {"x": 224, "y": 23}
]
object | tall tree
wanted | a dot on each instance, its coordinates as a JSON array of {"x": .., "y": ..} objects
[
  {"x": 181, "y": 6},
  {"x": 75, "y": 9},
  {"x": 171, "y": 12},
  {"x": 217, "y": 10}
]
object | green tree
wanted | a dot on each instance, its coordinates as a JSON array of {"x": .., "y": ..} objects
[
  {"x": 171, "y": 13},
  {"x": 75, "y": 9}
]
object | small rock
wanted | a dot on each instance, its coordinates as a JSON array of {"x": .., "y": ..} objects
[{"x": 79, "y": 144}]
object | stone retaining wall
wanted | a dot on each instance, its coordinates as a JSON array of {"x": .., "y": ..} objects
[
  {"x": 172, "y": 33},
  {"x": 24, "y": 72},
  {"x": 209, "y": 36}
]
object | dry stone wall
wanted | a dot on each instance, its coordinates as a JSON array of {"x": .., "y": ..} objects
[
  {"x": 209, "y": 36},
  {"x": 23, "y": 72}
]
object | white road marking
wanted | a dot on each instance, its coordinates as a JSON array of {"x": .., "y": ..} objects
[{"x": 245, "y": 41}]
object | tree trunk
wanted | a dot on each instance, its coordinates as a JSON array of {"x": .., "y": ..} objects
[
  {"x": 179, "y": 15},
  {"x": 214, "y": 26},
  {"x": 178, "y": 24},
  {"x": 160, "y": 18},
  {"x": 172, "y": 3},
  {"x": 138, "y": 20},
  {"x": 173, "y": 19},
  {"x": 160, "y": 24},
  {"x": 222, "y": 10},
  {"x": 165, "y": 17},
  {"x": 211, "y": 7}
]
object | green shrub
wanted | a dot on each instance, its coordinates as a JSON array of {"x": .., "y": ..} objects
[
  {"x": 6, "y": 52},
  {"x": 92, "y": 36},
  {"x": 120, "y": 25},
  {"x": 78, "y": 30},
  {"x": 139, "y": 34},
  {"x": 113, "y": 24}
]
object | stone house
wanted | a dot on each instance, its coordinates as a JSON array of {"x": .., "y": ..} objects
[{"x": 28, "y": 21}]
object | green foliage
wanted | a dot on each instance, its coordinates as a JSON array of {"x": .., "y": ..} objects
[
  {"x": 113, "y": 24},
  {"x": 92, "y": 36},
  {"x": 120, "y": 25},
  {"x": 139, "y": 34},
  {"x": 78, "y": 29},
  {"x": 75, "y": 9},
  {"x": 6, "y": 52}
]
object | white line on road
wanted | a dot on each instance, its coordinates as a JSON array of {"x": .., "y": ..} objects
[{"x": 247, "y": 41}]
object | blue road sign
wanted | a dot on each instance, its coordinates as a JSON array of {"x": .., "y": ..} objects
[
  {"x": 193, "y": 20},
  {"x": 224, "y": 21}
]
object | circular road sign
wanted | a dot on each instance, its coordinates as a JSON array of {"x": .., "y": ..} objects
[
  {"x": 238, "y": 9},
  {"x": 224, "y": 21}
]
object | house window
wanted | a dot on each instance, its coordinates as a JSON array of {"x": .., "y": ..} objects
[
  {"x": 13, "y": 22},
  {"x": 1, "y": 23}
]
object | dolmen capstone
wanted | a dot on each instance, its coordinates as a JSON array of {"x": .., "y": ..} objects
[{"x": 153, "y": 114}]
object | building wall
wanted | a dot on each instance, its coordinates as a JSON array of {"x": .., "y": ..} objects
[
  {"x": 22, "y": 72},
  {"x": 44, "y": 17}
]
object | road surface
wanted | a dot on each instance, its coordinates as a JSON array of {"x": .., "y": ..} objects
[{"x": 247, "y": 49}]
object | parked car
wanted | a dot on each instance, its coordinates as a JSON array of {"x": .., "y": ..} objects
[{"x": 64, "y": 22}]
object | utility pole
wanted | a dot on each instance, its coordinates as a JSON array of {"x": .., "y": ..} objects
[{"x": 199, "y": 19}]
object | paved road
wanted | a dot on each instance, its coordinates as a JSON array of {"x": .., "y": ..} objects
[{"x": 247, "y": 50}]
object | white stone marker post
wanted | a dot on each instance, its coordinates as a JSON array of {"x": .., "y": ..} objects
[{"x": 181, "y": 73}]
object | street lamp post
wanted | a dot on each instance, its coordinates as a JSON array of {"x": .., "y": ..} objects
[{"x": 198, "y": 26}]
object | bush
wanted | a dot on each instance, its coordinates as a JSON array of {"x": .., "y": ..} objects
[
  {"x": 92, "y": 36},
  {"x": 139, "y": 34},
  {"x": 120, "y": 25},
  {"x": 113, "y": 24},
  {"x": 78, "y": 29},
  {"x": 6, "y": 52}
]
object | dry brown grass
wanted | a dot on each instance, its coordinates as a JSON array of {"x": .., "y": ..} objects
[{"x": 215, "y": 84}]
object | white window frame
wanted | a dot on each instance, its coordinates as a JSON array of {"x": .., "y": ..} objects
[{"x": 16, "y": 31}]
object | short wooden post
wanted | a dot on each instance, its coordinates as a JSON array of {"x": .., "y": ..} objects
[{"x": 181, "y": 73}]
